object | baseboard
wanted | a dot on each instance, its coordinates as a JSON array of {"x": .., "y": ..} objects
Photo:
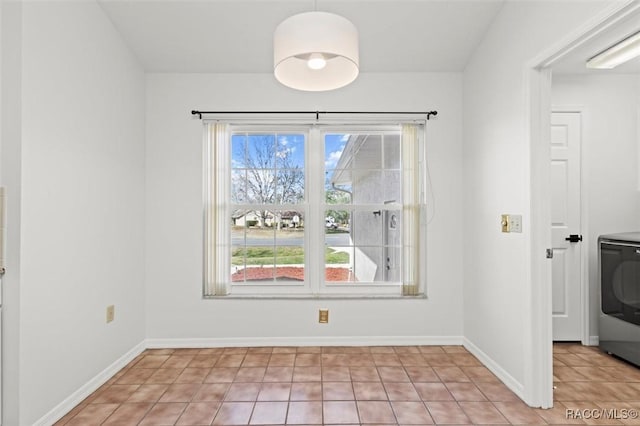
[
  {"x": 88, "y": 388},
  {"x": 500, "y": 372},
  {"x": 593, "y": 341},
  {"x": 304, "y": 341}
]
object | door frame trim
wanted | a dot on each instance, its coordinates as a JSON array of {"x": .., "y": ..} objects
[
  {"x": 538, "y": 353},
  {"x": 584, "y": 228}
]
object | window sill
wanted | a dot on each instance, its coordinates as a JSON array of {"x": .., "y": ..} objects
[{"x": 315, "y": 297}]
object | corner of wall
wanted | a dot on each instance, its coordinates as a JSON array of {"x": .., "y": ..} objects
[
  {"x": 495, "y": 368},
  {"x": 60, "y": 410}
]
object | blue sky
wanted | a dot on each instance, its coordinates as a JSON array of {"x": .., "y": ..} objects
[
  {"x": 292, "y": 144},
  {"x": 333, "y": 147}
]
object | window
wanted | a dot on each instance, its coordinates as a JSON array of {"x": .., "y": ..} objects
[{"x": 312, "y": 210}]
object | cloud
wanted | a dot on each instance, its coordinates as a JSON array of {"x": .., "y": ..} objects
[
  {"x": 333, "y": 158},
  {"x": 345, "y": 138},
  {"x": 283, "y": 153}
]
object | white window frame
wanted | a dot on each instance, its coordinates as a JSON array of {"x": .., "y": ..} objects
[
  {"x": 282, "y": 288},
  {"x": 217, "y": 161},
  {"x": 339, "y": 288}
]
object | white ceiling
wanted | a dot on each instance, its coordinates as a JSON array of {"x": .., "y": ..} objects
[
  {"x": 236, "y": 35},
  {"x": 574, "y": 62}
]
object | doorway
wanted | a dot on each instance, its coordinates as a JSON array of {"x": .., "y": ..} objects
[{"x": 599, "y": 213}]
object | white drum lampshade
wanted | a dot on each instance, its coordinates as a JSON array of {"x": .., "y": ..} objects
[{"x": 315, "y": 51}]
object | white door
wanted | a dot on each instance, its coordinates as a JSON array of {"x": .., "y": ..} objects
[{"x": 565, "y": 221}]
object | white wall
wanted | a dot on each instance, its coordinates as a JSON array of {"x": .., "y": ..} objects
[
  {"x": 82, "y": 219},
  {"x": 11, "y": 123},
  {"x": 175, "y": 308},
  {"x": 610, "y": 138},
  {"x": 496, "y": 148}
]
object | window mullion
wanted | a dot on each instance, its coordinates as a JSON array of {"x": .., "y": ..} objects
[{"x": 315, "y": 211}]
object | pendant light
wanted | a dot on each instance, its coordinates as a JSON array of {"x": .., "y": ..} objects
[{"x": 315, "y": 51}]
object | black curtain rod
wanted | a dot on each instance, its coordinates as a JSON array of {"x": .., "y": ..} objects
[{"x": 317, "y": 113}]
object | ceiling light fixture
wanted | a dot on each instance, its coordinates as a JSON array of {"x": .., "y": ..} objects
[
  {"x": 617, "y": 54},
  {"x": 315, "y": 51}
]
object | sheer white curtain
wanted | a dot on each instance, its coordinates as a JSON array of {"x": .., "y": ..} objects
[
  {"x": 411, "y": 152},
  {"x": 216, "y": 196}
]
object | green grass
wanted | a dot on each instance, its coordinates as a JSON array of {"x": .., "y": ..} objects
[
  {"x": 282, "y": 255},
  {"x": 332, "y": 256}
]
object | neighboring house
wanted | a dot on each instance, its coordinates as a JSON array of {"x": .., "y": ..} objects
[
  {"x": 291, "y": 219},
  {"x": 246, "y": 218},
  {"x": 287, "y": 219}
]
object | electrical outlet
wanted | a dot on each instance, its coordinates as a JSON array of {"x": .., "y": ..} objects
[
  {"x": 111, "y": 313},
  {"x": 323, "y": 316}
]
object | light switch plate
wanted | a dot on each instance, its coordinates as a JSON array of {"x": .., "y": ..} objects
[{"x": 504, "y": 223}]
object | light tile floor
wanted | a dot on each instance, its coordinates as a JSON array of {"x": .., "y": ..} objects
[{"x": 405, "y": 385}]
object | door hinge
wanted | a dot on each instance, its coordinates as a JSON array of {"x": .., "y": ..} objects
[{"x": 550, "y": 253}]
